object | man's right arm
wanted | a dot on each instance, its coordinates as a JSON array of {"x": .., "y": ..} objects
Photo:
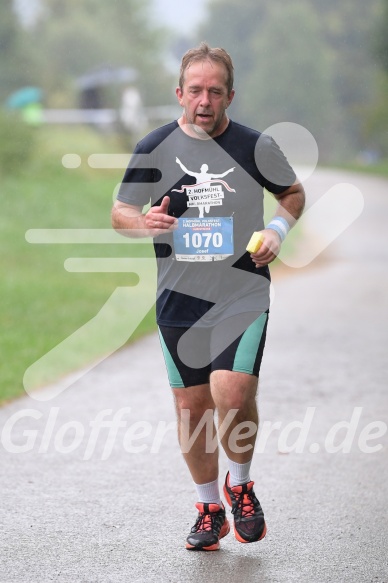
[{"x": 128, "y": 219}]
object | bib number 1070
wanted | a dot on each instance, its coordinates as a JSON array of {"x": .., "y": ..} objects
[{"x": 205, "y": 240}]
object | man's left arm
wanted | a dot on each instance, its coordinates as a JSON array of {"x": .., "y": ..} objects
[{"x": 290, "y": 208}]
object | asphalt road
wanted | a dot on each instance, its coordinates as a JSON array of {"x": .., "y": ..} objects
[{"x": 81, "y": 504}]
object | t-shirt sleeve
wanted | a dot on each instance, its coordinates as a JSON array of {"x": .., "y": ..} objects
[
  {"x": 273, "y": 165},
  {"x": 137, "y": 184}
]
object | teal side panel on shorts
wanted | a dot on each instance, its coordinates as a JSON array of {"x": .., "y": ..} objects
[
  {"x": 172, "y": 371},
  {"x": 246, "y": 352}
]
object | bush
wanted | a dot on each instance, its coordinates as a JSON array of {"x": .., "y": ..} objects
[{"x": 17, "y": 140}]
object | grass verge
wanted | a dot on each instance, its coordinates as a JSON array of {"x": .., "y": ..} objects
[
  {"x": 378, "y": 169},
  {"x": 43, "y": 304}
]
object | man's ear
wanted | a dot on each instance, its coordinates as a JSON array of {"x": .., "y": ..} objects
[
  {"x": 230, "y": 98},
  {"x": 179, "y": 94}
]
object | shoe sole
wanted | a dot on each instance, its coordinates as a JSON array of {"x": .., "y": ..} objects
[
  {"x": 237, "y": 534},
  {"x": 242, "y": 540},
  {"x": 223, "y": 532}
]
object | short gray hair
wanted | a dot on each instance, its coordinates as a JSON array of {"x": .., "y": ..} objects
[{"x": 203, "y": 53}]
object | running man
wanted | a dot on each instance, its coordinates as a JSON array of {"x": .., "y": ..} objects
[{"x": 213, "y": 297}]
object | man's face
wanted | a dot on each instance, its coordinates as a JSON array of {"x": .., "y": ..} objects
[{"x": 205, "y": 97}]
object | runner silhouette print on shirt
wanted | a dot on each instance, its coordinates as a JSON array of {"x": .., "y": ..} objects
[{"x": 207, "y": 192}]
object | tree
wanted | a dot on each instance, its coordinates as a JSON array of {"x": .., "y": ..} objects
[
  {"x": 348, "y": 27},
  {"x": 381, "y": 37},
  {"x": 302, "y": 60},
  {"x": 375, "y": 125},
  {"x": 74, "y": 37},
  {"x": 290, "y": 82},
  {"x": 282, "y": 72},
  {"x": 16, "y": 65}
]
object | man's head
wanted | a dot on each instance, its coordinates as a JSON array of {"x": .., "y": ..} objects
[
  {"x": 206, "y": 89},
  {"x": 206, "y": 53}
]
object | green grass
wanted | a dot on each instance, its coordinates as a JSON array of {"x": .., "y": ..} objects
[
  {"x": 378, "y": 169},
  {"x": 42, "y": 303}
]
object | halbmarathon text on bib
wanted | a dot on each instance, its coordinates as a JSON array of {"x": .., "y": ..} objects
[{"x": 204, "y": 239}]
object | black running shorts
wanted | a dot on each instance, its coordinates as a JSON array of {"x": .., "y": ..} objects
[{"x": 235, "y": 344}]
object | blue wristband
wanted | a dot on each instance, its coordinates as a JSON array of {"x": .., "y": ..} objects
[{"x": 279, "y": 225}]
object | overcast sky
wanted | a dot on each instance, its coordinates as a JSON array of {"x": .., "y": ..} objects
[
  {"x": 178, "y": 15},
  {"x": 182, "y": 16}
]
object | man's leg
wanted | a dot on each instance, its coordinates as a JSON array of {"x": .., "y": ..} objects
[
  {"x": 236, "y": 392},
  {"x": 196, "y": 431},
  {"x": 193, "y": 402},
  {"x": 198, "y": 441},
  {"x": 197, "y": 434},
  {"x": 234, "y": 381}
]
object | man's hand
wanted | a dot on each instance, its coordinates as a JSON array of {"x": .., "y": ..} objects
[
  {"x": 158, "y": 221},
  {"x": 290, "y": 208},
  {"x": 269, "y": 249}
]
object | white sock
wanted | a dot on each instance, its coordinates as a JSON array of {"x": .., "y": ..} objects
[
  {"x": 209, "y": 493},
  {"x": 239, "y": 473}
]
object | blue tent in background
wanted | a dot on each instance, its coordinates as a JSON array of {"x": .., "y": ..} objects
[
  {"x": 24, "y": 97},
  {"x": 27, "y": 101}
]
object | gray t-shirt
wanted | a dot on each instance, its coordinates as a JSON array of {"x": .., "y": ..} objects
[{"x": 216, "y": 191}]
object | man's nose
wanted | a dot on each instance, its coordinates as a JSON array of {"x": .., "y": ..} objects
[{"x": 205, "y": 100}]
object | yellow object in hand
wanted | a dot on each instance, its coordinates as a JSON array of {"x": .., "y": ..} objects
[{"x": 255, "y": 242}]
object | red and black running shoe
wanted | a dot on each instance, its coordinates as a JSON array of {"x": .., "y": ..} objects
[
  {"x": 210, "y": 526},
  {"x": 249, "y": 523}
]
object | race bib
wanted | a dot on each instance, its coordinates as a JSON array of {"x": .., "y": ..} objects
[{"x": 204, "y": 239}]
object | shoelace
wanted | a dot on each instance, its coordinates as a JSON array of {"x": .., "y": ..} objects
[
  {"x": 245, "y": 502},
  {"x": 206, "y": 521}
]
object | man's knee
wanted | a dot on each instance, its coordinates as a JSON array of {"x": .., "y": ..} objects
[
  {"x": 193, "y": 402},
  {"x": 237, "y": 399},
  {"x": 234, "y": 390}
]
